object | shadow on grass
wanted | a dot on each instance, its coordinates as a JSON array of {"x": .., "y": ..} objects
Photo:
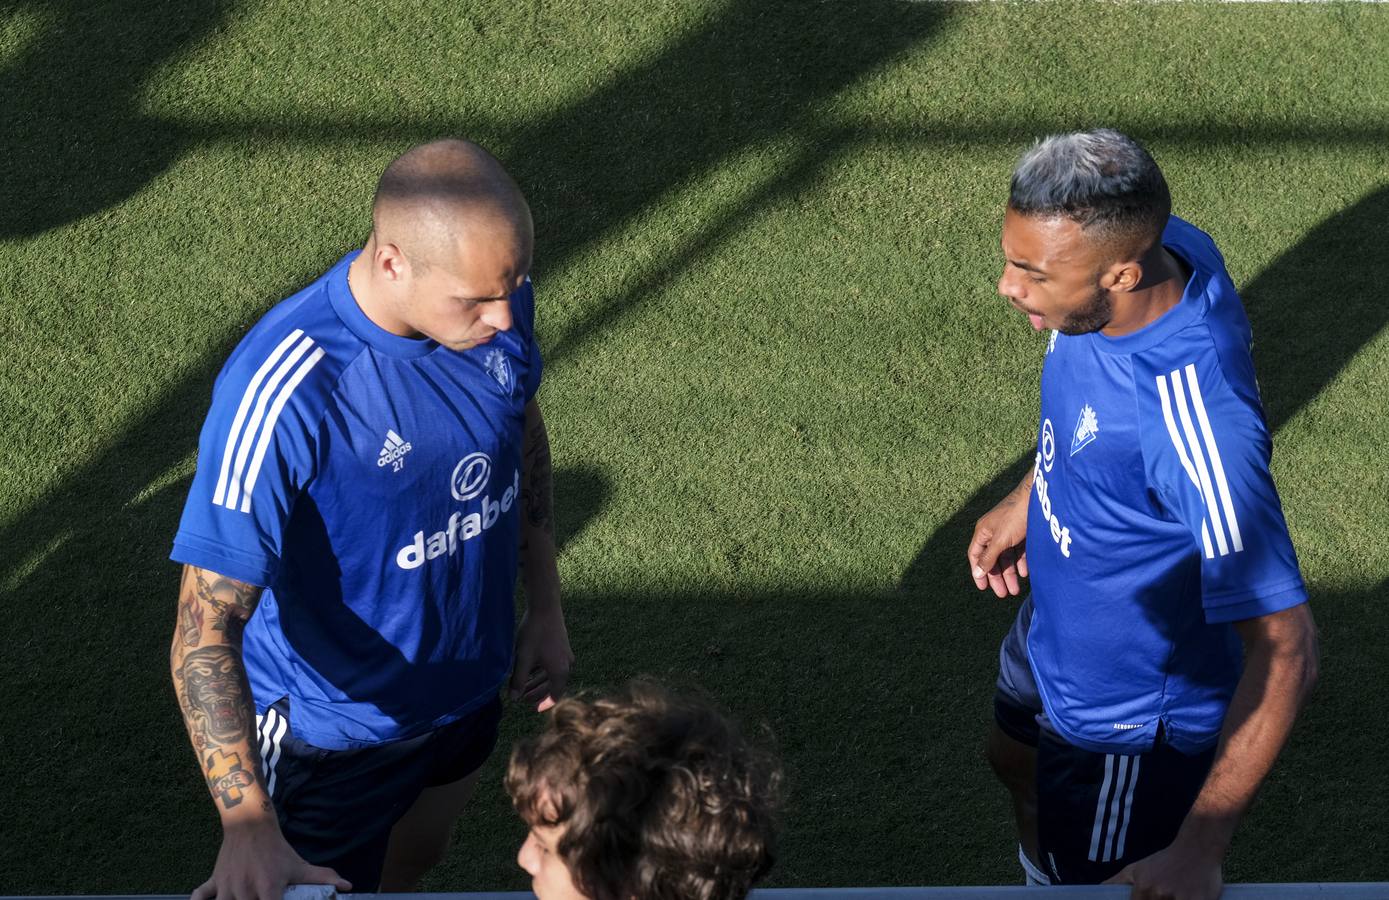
[
  {"x": 879, "y": 703},
  {"x": 75, "y": 141},
  {"x": 102, "y": 743}
]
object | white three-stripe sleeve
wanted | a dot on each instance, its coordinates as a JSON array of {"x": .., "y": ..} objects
[
  {"x": 1182, "y": 455},
  {"x": 1206, "y": 454},
  {"x": 248, "y": 435},
  {"x": 269, "y": 430},
  {"x": 240, "y": 419},
  {"x": 1226, "y": 504},
  {"x": 1198, "y": 457}
]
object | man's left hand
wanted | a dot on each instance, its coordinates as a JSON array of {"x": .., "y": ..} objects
[
  {"x": 543, "y": 659},
  {"x": 1173, "y": 874}
]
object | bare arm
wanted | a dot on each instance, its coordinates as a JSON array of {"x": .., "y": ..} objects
[
  {"x": 212, "y": 690},
  {"x": 538, "y": 566},
  {"x": 1280, "y": 671},
  {"x": 543, "y": 656},
  {"x": 210, "y": 680}
]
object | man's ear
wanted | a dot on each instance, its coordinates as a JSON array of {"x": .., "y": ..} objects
[
  {"x": 1122, "y": 277},
  {"x": 390, "y": 262}
]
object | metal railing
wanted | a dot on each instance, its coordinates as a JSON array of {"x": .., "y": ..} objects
[{"x": 1324, "y": 891}]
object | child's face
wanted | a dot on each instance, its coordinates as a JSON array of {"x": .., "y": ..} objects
[{"x": 550, "y": 879}]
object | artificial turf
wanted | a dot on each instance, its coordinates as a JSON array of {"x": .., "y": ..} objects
[{"x": 779, "y": 384}]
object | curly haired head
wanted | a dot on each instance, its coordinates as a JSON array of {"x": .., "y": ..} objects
[{"x": 658, "y": 797}]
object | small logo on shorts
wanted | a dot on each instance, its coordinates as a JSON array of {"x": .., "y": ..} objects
[{"x": 1124, "y": 726}]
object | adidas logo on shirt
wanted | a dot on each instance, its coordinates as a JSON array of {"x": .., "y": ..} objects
[{"x": 393, "y": 453}]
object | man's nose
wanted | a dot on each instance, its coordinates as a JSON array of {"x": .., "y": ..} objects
[
  {"x": 1008, "y": 285},
  {"x": 498, "y": 314},
  {"x": 524, "y": 857}
]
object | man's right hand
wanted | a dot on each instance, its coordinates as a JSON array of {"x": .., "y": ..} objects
[
  {"x": 997, "y": 552},
  {"x": 257, "y": 863}
]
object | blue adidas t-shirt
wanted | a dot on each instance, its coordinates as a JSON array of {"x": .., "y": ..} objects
[
  {"x": 370, "y": 483},
  {"x": 1154, "y": 522}
]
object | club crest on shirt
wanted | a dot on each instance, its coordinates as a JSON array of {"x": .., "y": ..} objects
[
  {"x": 1087, "y": 428},
  {"x": 499, "y": 367}
]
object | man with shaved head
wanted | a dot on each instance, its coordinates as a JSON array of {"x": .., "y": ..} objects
[
  {"x": 1155, "y": 670},
  {"x": 373, "y": 473}
]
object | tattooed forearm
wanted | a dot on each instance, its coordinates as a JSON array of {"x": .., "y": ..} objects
[
  {"x": 226, "y": 777},
  {"x": 211, "y": 685},
  {"x": 212, "y": 688},
  {"x": 537, "y": 487},
  {"x": 213, "y": 692}
]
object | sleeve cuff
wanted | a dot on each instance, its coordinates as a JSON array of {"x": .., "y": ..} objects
[
  {"x": 1256, "y": 606},
  {"x": 238, "y": 564}
]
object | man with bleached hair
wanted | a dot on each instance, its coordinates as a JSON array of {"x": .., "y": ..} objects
[
  {"x": 1156, "y": 668},
  {"x": 373, "y": 472}
]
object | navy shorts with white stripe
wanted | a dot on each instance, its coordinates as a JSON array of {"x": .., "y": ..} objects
[
  {"x": 337, "y": 807},
  {"x": 1098, "y": 812}
]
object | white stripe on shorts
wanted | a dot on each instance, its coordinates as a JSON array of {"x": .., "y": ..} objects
[
  {"x": 1111, "y": 834},
  {"x": 281, "y": 726},
  {"x": 1099, "y": 806},
  {"x": 1128, "y": 805}
]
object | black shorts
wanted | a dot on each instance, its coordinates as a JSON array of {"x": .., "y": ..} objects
[
  {"x": 1096, "y": 812},
  {"x": 337, "y": 807}
]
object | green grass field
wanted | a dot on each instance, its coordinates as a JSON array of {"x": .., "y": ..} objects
[{"x": 779, "y": 383}]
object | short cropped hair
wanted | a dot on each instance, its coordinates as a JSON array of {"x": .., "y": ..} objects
[
  {"x": 427, "y": 194},
  {"x": 1102, "y": 180},
  {"x": 659, "y": 795}
]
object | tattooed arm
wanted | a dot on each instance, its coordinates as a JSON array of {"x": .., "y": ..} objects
[
  {"x": 543, "y": 656},
  {"x": 211, "y": 686},
  {"x": 215, "y": 697}
]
